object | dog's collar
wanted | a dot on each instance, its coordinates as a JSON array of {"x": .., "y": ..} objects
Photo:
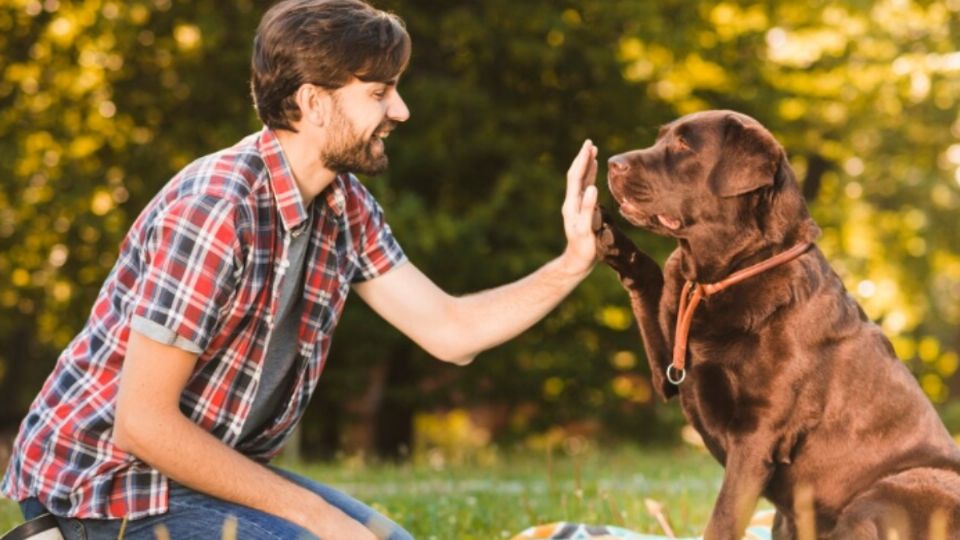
[{"x": 694, "y": 292}]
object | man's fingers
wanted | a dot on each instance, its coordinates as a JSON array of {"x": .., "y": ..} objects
[
  {"x": 589, "y": 199},
  {"x": 578, "y": 168},
  {"x": 596, "y": 220},
  {"x": 591, "y": 176},
  {"x": 587, "y": 205}
]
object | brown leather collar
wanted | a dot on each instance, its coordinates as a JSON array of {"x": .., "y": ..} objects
[{"x": 694, "y": 292}]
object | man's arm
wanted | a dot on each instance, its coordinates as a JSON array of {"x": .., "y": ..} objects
[
  {"x": 150, "y": 425},
  {"x": 456, "y": 329}
]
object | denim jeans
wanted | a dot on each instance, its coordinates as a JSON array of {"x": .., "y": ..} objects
[{"x": 195, "y": 516}]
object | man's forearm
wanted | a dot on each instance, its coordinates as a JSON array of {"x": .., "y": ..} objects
[
  {"x": 189, "y": 455},
  {"x": 486, "y": 319}
]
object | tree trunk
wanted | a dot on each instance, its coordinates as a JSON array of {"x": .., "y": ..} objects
[
  {"x": 394, "y": 433},
  {"x": 816, "y": 166}
]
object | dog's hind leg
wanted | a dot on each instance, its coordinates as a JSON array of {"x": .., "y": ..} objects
[
  {"x": 870, "y": 519},
  {"x": 917, "y": 504}
]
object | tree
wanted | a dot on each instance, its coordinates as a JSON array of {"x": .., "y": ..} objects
[{"x": 101, "y": 102}]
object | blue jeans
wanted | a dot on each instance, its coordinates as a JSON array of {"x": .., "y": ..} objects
[{"x": 195, "y": 516}]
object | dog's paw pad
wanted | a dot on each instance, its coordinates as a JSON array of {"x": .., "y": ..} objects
[
  {"x": 606, "y": 236},
  {"x": 606, "y": 245}
]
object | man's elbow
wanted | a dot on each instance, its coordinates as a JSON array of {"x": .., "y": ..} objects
[
  {"x": 451, "y": 354},
  {"x": 450, "y": 340},
  {"x": 461, "y": 360},
  {"x": 124, "y": 436},
  {"x": 130, "y": 432}
]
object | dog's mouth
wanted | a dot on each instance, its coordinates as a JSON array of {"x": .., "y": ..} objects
[
  {"x": 628, "y": 201},
  {"x": 669, "y": 222},
  {"x": 647, "y": 220}
]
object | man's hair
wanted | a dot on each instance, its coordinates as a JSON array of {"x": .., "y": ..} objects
[{"x": 321, "y": 42}]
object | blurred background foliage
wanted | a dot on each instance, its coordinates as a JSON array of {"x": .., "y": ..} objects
[{"x": 102, "y": 101}]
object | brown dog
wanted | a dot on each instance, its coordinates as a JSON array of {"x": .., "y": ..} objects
[{"x": 793, "y": 390}]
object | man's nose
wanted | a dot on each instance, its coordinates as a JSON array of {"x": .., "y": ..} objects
[{"x": 397, "y": 110}]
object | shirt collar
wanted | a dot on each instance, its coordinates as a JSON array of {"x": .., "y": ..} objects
[{"x": 290, "y": 205}]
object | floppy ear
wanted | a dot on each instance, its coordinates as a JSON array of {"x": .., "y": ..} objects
[{"x": 748, "y": 159}]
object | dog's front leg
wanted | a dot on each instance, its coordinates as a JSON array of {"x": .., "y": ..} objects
[
  {"x": 746, "y": 472},
  {"x": 642, "y": 277}
]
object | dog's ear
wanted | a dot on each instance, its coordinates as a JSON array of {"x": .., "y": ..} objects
[{"x": 749, "y": 157}]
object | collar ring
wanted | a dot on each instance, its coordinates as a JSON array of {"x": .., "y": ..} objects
[{"x": 676, "y": 380}]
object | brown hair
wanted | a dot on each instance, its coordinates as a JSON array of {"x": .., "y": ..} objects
[{"x": 321, "y": 42}]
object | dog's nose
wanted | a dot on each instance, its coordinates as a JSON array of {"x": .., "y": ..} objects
[{"x": 617, "y": 165}]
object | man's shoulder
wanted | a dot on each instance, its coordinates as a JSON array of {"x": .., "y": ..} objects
[
  {"x": 224, "y": 185},
  {"x": 234, "y": 172},
  {"x": 357, "y": 198}
]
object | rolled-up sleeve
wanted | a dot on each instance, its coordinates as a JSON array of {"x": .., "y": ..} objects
[
  {"x": 188, "y": 272},
  {"x": 376, "y": 250}
]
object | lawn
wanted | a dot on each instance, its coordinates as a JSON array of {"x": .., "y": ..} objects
[{"x": 508, "y": 493}]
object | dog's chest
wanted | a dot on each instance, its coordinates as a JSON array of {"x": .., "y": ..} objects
[
  {"x": 729, "y": 352},
  {"x": 720, "y": 403}
]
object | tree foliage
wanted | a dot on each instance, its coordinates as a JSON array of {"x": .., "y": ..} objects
[{"x": 101, "y": 102}]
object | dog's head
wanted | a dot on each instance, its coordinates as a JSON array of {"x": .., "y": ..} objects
[{"x": 717, "y": 180}]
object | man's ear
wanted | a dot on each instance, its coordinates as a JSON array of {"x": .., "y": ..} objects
[
  {"x": 748, "y": 159},
  {"x": 313, "y": 102}
]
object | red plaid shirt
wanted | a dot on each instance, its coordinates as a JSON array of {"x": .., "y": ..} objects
[{"x": 205, "y": 260}]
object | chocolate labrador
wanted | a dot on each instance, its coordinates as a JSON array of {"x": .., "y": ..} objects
[{"x": 792, "y": 388}]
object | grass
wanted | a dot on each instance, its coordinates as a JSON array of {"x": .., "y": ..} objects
[
  {"x": 9, "y": 514},
  {"x": 508, "y": 493}
]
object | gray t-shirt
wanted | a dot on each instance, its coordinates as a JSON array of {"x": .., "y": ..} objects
[{"x": 278, "y": 369}]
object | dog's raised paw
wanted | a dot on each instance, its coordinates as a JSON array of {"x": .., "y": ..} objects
[
  {"x": 607, "y": 248},
  {"x": 606, "y": 244}
]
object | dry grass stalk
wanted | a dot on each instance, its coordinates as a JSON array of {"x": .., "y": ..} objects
[
  {"x": 161, "y": 532},
  {"x": 656, "y": 510},
  {"x": 618, "y": 515},
  {"x": 230, "y": 528},
  {"x": 938, "y": 525},
  {"x": 123, "y": 528},
  {"x": 803, "y": 508}
]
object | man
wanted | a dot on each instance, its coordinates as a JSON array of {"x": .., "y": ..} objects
[{"x": 208, "y": 336}]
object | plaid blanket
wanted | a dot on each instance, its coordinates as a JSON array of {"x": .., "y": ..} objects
[{"x": 759, "y": 530}]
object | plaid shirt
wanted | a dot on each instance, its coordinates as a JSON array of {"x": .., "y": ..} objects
[{"x": 205, "y": 260}]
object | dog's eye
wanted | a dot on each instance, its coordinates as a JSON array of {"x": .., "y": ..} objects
[{"x": 681, "y": 144}]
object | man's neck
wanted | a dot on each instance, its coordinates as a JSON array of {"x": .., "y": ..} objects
[{"x": 309, "y": 172}]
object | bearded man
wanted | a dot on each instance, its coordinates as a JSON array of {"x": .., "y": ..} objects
[{"x": 207, "y": 338}]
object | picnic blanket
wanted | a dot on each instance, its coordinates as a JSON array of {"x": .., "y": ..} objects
[{"x": 759, "y": 530}]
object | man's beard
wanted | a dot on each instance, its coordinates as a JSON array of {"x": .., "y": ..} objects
[{"x": 350, "y": 152}]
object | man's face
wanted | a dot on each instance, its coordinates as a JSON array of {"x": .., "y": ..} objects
[{"x": 362, "y": 115}]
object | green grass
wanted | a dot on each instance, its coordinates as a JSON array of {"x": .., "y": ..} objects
[
  {"x": 509, "y": 493},
  {"x": 9, "y": 514}
]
